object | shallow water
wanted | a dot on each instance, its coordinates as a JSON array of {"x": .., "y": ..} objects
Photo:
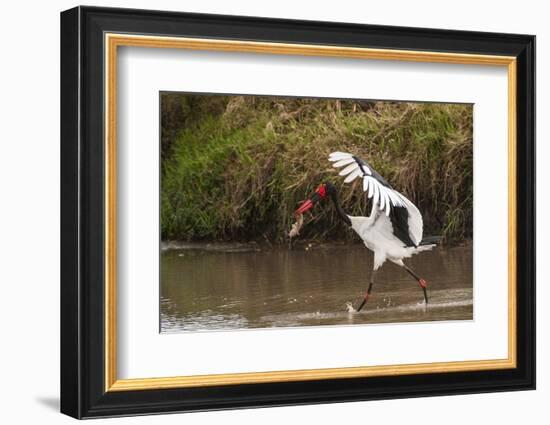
[{"x": 214, "y": 287}]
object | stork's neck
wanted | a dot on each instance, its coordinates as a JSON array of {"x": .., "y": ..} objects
[{"x": 341, "y": 213}]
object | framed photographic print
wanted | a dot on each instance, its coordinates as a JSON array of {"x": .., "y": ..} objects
[{"x": 261, "y": 212}]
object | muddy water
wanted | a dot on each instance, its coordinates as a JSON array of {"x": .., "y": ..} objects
[{"x": 217, "y": 287}]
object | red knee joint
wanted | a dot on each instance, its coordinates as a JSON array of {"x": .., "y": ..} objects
[{"x": 422, "y": 283}]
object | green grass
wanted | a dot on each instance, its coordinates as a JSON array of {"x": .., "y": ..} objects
[{"x": 238, "y": 170}]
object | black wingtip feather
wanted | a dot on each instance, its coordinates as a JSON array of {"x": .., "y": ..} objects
[{"x": 400, "y": 221}]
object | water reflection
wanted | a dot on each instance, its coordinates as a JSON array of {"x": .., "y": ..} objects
[{"x": 232, "y": 287}]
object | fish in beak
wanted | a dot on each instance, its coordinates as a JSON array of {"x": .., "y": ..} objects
[{"x": 306, "y": 205}]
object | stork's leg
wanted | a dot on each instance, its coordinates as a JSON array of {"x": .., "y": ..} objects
[
  {"x": 423, "y": 284},
  {"x": 379, "y": 259},
  {"x": 367, "y": 294}
]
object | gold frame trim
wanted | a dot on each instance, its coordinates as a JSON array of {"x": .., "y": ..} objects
[{"x": 113, "y": 41}]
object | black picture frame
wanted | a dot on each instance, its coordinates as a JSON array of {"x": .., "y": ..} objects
[{"x": 83, "y": 392}]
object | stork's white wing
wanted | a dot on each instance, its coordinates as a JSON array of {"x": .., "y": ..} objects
[
  {"x": 378, "y": 189},
  {"x": 374, "y": 184}
]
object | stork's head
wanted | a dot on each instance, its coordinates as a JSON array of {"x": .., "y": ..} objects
[{"x": 320, "y": 193}]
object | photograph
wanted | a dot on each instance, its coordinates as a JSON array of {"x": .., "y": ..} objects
[
  {"x": 289, "y": 210},
  {"x": 280, "y": 212}
]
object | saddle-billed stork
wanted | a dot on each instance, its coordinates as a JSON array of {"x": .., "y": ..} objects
[{"x": 393, "y": 230}]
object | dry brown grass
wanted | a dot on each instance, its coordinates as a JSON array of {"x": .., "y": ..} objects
[{"x": 238, "y": 170}]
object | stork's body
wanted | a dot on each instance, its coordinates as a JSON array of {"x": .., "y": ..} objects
[
  {"x": 377, "y": 233},
  {"x": 393, "y": 230}
]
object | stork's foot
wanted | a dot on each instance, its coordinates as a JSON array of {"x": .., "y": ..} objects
[
  {"x": 363, "y": 302},
  {"x": 423, "y": 284}
]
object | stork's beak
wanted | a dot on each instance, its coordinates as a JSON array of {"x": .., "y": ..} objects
[{"x": 306, "y": 206}]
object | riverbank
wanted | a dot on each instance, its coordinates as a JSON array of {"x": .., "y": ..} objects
[
  {"x": 300, "y": 245},
  {"x": 236, "y": 167}
]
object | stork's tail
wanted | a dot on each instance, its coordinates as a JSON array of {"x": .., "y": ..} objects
[
  {"x": 427, "y": 243},
  {"x": 430, "y": 240},
  {"x": 424, "y": 247}
]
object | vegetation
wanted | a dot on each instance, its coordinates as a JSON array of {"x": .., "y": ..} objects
[{"x": 236, "y": 167}]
